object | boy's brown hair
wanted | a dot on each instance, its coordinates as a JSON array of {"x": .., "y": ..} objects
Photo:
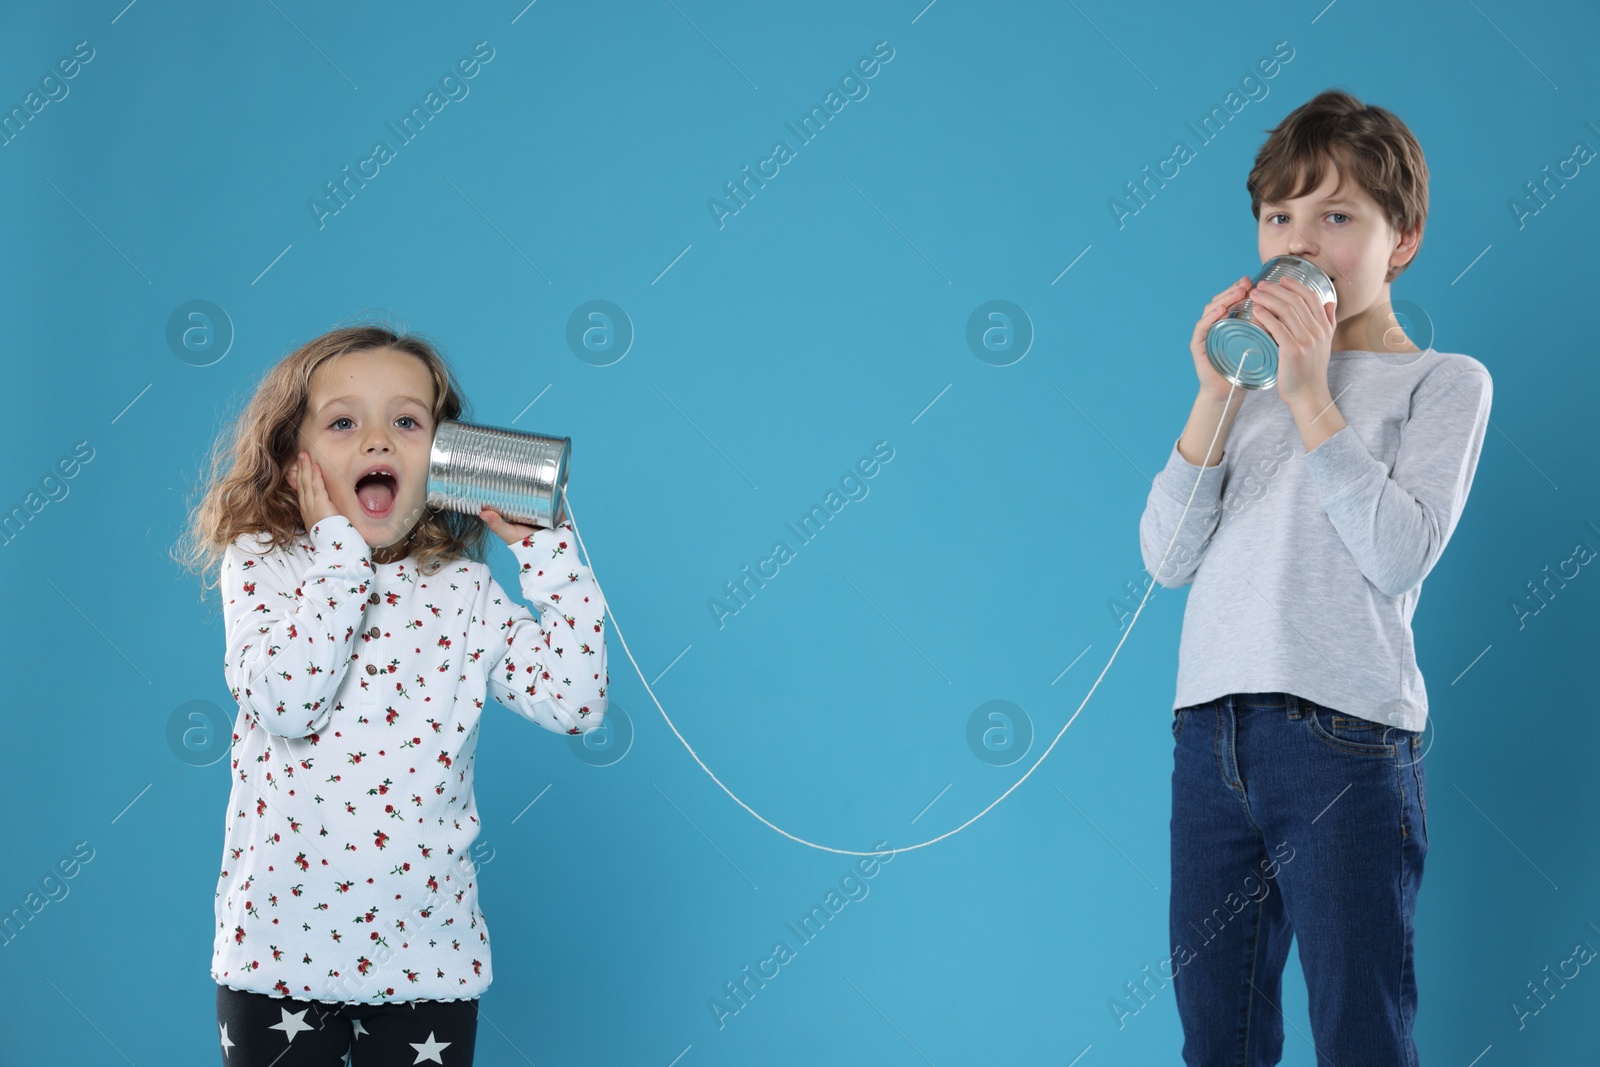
[
  {"x": 253, "y": 494},
  {"x": 1368, "y": 144}
]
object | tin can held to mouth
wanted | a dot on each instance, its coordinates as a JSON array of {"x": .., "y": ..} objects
[
  {"x": 1239, "y": 348},
  {"x": 523, "y": 476}
]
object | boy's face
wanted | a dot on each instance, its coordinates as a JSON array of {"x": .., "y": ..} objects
[
  {"x": 371, "y": 408},
  {"x": 1340, "y": 228}
]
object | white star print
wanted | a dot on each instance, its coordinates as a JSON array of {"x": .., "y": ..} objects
[
  {"x": 226, "y": 1044},
  {"x": 292, "y": 1023},
  {"x": 430, "y": 1049}
]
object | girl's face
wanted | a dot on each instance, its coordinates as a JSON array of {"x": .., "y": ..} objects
[
  {"x": 1345, "y": 232},
  {"x": 371, "y": 409}
]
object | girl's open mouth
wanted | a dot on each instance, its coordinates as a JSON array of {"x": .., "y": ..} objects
[{"x": 377, "y": 493}]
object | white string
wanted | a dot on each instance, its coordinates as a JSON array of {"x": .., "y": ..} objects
[{"x": 934, "y": 840}]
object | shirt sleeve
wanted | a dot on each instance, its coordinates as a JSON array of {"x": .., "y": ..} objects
[
  {"x": 550, "y": 670},
  {"x": 1169, "y": 492},
  {"x": 289, "y": 640},
  {"x": 1397, "y": 524}
]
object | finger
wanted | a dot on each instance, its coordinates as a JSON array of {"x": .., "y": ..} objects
[
  {"x": 319, "y": 485},
  {"x": 1271, "y": 323},
  {"x": 1311, "y": 304},
  {"x": 1296, "y": 310},
  {"x": 1231, "y": 288},
  {"x": 1284, "y": 315},
  {"x": 1271, "y": 298},
  {"x": 1297, "y": 293},
  {"x": 1216, "y": 310}
]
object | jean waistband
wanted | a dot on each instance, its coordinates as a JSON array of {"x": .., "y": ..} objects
[{"x": 1285, "y": 702}]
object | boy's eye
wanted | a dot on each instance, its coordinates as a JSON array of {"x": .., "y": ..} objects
[{"x": 1280, "y": 215}]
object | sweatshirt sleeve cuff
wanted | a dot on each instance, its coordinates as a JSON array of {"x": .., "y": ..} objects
[
  {"x": 1177, "y": 479},
  {"x": 1338, "y": 464}
]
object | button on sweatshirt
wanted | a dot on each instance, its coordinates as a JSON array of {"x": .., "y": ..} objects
[
  {"x": 1307, "y": 566},
  {"x": 347, "y": 873}
]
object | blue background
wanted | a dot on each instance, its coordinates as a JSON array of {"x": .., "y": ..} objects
[{"x": 769, "y": 355}]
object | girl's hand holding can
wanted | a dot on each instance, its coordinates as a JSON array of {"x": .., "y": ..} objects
[
  {"x": 1212, "y": 383},
  {"x": 507, "y": 531},
  {"x": 306, "y": 480}
]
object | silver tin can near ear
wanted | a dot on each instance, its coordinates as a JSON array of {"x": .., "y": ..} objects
[
  {"x": 521, "y": 475},
  {"x": 1239, "y": 348}
]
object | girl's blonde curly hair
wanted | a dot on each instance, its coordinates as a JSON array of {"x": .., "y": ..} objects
[{"x": 253, "y": 495}]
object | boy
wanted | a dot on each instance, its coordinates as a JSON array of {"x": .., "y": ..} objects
[{"x": 1317, "y": 509}]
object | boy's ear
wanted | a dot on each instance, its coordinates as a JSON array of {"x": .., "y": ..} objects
[{"x": 1414, "y": 238}]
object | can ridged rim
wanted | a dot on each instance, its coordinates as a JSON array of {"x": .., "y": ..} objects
[{"x": 1304, "y": 271}]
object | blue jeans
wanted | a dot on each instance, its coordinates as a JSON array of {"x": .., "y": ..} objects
[{"x": 1293, "y": 820}]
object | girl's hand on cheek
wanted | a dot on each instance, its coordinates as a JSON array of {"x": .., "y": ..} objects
[
  {"x": 315, "y": 503},
  {"x": 509, "y": 532}
]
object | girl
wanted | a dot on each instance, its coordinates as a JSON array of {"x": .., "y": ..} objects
[{"x": 363, "y": 631}]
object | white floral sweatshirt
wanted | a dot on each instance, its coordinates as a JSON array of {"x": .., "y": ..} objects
[{"x": 347, "y": 872}]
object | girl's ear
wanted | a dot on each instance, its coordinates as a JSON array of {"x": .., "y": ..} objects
[{"x": 289, "y": 474}]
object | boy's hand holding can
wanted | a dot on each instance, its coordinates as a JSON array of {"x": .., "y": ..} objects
[{"x": 1213, "y": 384}]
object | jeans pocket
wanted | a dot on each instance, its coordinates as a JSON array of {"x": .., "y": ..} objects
[
  {"x": 1178, "y": 719},
  {"x": 1357, "y": 736}
]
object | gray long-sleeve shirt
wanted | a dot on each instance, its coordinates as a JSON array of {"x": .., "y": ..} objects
[{"x": 1307, "y": 566}]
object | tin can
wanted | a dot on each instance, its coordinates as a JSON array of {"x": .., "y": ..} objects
[
  {"x": 521, "y": 475},
  {"x": 1239, "y": 348}
]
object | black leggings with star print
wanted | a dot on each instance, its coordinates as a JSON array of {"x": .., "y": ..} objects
[{"x": 257, "y": 1030}]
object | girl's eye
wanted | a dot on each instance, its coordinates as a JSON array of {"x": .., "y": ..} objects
[
  {"x": 345, "y": 418},
  {"x": 1341, "y": 214}
]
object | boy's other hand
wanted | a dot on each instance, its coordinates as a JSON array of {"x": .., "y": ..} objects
[
  {"x": 1212, "y": 383},
  {"x": 1302, "y": 325}
]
